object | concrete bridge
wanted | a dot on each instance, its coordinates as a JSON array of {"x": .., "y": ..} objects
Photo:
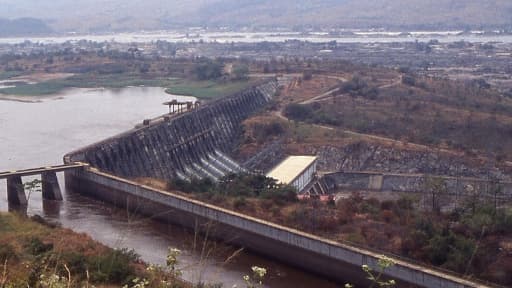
[{"x": 50, "y": 185}]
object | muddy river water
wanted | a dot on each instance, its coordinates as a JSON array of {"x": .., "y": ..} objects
[{"x": 37, "y": 132}]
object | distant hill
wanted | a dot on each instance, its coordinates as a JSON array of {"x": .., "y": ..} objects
[
  {"x": 123, "y": 15},
  {"x": 23, "y": 26},
  {"x": 428, "y": 14}
]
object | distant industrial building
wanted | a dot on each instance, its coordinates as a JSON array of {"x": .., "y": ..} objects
[{"x": 297, "y": 171}]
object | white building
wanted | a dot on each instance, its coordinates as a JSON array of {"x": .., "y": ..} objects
[{"x": 297, "y": 171}]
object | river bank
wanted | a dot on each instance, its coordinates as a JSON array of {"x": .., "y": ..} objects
[{"x": 34, "y": 251}]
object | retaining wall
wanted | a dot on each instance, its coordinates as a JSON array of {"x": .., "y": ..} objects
[
  {"x": 171, "y": 144},
  {"x": 325, "y": 257},
  {"x": 415, "y": 183}
]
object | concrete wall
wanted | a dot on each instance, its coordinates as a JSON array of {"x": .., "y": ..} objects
[
  {"x": 414, "y": 183},
  {"x": 325, "y": 257},
  {"x": 170, "y": 145},
  {"x": 304, "y": 178}
]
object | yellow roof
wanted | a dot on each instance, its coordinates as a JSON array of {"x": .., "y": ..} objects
[{"x": 291, "y": 168}]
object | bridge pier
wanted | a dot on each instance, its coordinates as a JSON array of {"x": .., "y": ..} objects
[
  {"x": 51, "y": 188},
  {"x": 16, "y": 192}
]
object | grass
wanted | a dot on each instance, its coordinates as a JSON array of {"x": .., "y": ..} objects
[
  {"x": 84, "y": 81},
  {"x": 206, "y": 89},
  {"x": 38, "y": 89},
  {"x": 199, "y": 89},
  {"x": 4, "y": 75}
]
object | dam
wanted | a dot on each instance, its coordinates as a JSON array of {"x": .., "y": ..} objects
[
  {"x": 193, "y": 144},
  {"x": 198, "y": 144}
]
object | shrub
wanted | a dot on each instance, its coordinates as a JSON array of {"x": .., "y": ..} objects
[
  {"x": 208, "y": 69},
  {"x": 355, "y": 84},
  {"x": 240, "y": 203},
  {"x": 298, "y": 112},
  {"x": 504, "y": 221},
  {"x": 240, "y": 72},
  {"x": 409, "y": 80},
  {"x": 461, "y": 252},
  {"x": 405, "y": 203},
  {"x": 263, "y": 132},
  {"x": 328, "y": 223},
  {"x": 371, "y": 206},
  {"x": 284, "y": 193},
  {"x": 36, "y": 247},
  {"x": 113, "y": 267},
  {"x": 307, "y": 75},
  {"x": 387, "y": 215},
  {"x": 387, "y": 205},
  {"x": 76, "y": 262},
  {"x": 7, "y": 252}
]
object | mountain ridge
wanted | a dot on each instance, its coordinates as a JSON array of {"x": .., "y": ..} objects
[{"x": 135, "y": 15}]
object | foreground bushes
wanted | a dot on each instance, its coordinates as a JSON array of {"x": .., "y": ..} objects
[{"x": 34, "y": 254}]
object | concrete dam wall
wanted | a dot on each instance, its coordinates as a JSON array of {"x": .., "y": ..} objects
[{"x": 192, "y": 144}]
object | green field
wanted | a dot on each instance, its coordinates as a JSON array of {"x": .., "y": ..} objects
[
  {"x": 85, "y": 81},
  {"x": 206, "y": 89},
  {"x": 199, "y": 89},
  {"x": 4, "y": 75}
]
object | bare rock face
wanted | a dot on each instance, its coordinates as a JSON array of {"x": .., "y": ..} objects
[{"x": 368, "y": 157}]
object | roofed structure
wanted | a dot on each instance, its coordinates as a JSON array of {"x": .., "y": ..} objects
[{"x": 297, "y": 171}]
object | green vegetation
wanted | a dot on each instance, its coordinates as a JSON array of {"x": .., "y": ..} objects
[
  {"x": 208, "y": 69},
  {"x": 34, "y": 253},
  {"x": 258, "y": 275},
  {"x": 262, "y": 132},
  {"x": 88, "y": 80},
  {"x": 375, "y": 277},
  {"x": 202, "y": 77},
  {"x": 206, "y": 89},
  {"x": 4, "y": 75},
  {"x": 201, "y": 89},
  {"x": 38, "y": 89},
  {"x": 238, "y": 185},
  {"x": 240, "y": 72},
  {"x": 309, "y": 114}
]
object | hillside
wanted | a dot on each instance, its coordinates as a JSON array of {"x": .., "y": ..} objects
[
  {"x": 116, "y": 15},
  {"x": 440, "y": 14},
  {"x": 23, "y": 26}
]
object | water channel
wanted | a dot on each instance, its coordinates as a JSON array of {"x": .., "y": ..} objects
[{"x": 37, "y": 132}]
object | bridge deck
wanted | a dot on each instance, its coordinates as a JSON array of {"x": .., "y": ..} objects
[{"x": 40, "y": 170}]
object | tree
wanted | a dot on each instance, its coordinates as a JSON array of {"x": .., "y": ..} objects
[
  {"x": 436, "y": 187},
  {"x": 240, "y": 72},
  {"x": 208, "y": 70},
  {"x": 307, "y": 75}
]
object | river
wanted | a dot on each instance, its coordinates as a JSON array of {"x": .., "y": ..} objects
[
  {"x": 254, "y": 37},
  {"x": 38, "y": 133}
]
